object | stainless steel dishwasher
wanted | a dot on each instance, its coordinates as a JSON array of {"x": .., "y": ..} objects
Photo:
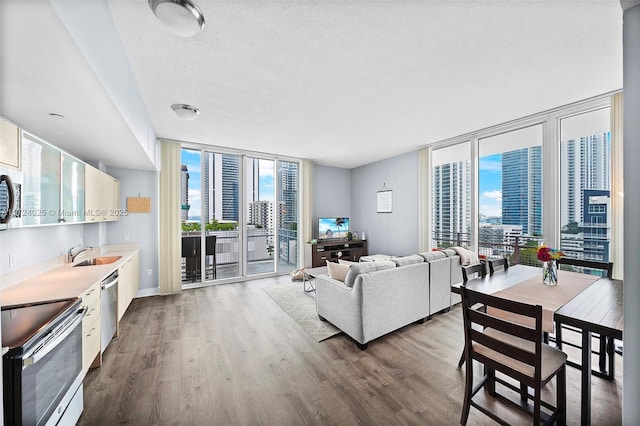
[{"x": 108, "y": 307}]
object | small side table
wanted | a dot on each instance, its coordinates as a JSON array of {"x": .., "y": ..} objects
[{"x": 309, "y": 278}]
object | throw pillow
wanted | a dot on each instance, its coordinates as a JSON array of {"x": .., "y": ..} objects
[
  {"x": 337, "y": 271},
  {"x": 346, "y": 262}
]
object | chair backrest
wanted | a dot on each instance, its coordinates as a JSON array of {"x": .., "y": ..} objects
[
  {"x": 588, "y": 264},
  {"x": 468, "y": 271},
  {"x": 495, "y": 263},
  {"x": 512, "y": 348}
]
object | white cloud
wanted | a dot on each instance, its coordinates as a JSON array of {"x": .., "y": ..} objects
[
  {"x": 265, "y": 167},
  {"x": 493, "y": 195},
  {"x": 491, "y": 210}
]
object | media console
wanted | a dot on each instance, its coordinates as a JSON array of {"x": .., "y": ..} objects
[{"x": 337, "y": 249}]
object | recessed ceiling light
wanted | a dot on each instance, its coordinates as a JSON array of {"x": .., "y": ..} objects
[
  {"x": 55, "y": 114},
  {"x": 186, "y": 112},
  {"x": 180, "y": 16}
]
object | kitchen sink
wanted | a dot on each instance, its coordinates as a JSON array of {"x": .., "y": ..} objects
[{"x": 104, "y": 260}]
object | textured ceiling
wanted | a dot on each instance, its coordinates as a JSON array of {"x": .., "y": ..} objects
[{"x": 345, "y": 83}]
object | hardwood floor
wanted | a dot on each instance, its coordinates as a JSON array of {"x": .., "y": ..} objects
[{"x": 227, "y": 355}]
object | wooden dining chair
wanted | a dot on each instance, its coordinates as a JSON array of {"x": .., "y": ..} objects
[
  {"x": 515, "y": 351},
  {"x": 468, "y": 271},
  {"x": 606, "y": 347},
  {"x": 494, "y": 264}
]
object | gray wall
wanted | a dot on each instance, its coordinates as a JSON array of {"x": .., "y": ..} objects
[
  {"x": 631, "y": 359},
  {"x": 392, "y": 233},
  {"x": 142, "y": 228},
  {"x": 332, "y": 194}
]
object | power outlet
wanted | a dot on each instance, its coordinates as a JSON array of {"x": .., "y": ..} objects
[
  {"x": 12, "y": 260},
  {"x": 149, "y": 272},
  {"x": 125, "y": 237}
]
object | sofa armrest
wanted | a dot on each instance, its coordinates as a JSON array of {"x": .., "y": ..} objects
[{"x": 340, "y": 305}]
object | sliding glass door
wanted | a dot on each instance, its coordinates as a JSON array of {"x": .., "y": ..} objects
[{"x": 239, "y": 216}]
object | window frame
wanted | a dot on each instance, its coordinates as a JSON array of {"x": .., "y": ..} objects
[{"x": 551, "y": 141}]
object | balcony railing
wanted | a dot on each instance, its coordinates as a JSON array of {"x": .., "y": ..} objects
[
  {"x": 520, "y": 249},
  {"x": 261, "y": 250}
]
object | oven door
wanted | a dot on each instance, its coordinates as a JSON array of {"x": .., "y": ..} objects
[{"x": 48, "y": 374}]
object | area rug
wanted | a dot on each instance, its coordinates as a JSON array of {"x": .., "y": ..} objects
[{"x": 302, "y": 309}]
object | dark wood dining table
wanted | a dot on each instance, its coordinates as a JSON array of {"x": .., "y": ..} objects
[{"x": 596, "y": 308}]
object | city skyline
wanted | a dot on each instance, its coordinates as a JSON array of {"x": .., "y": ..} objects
[{"x": 192, "y": 160}]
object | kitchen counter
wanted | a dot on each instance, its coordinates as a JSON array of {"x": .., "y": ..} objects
[{"x": 66, "y": 281}]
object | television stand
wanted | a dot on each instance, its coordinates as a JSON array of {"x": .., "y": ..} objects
[{"x": 333, "y": 250}]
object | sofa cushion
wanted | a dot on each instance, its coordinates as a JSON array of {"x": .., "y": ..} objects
[
  {"x": 364, "y": 267},
  {"x": 337, "y": 271},
  {"x": 432, "y": 255},
  {"x": 346, "y": 262},
  {"x": 408, "y": 260}
]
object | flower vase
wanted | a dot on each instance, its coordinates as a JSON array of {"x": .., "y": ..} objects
[{"x": 550, "y": 272}]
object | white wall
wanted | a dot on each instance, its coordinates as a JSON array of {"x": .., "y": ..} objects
[
  {"x": 394, "y": 233},
  {"x": 141, "y": 228},
  {"x": 34, "y": 245},
  {"x": 631, "y": 359}
]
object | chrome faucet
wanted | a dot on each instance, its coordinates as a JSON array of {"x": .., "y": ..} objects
[{"x": 71, "y": 256}]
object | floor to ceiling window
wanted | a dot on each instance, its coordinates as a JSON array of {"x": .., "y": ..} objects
[
  {"x": 230, "y": 213},
  {"x": 510, "y": 192},
  {"x": 451, "y": 196},
  {"x": 585, "y": 173},
  {"x": 543, "y": 179}
]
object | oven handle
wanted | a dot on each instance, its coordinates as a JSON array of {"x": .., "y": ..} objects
[{"x": 55, "y": 340}]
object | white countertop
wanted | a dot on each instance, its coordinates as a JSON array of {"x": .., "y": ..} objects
[{"x": 65, "y": 281}]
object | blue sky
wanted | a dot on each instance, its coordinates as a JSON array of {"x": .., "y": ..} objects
[{"x": 490, "y": 185}]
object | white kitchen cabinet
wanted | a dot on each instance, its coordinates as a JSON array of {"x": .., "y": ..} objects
[
  {"x": 128, "y": 283},
  {"x": 102, "y": 195},
  {"x": 9, "y": 144},
  {"x": 91, "y": 356}
]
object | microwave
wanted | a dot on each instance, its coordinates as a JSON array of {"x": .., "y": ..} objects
[{"x": 10, "y": 200}]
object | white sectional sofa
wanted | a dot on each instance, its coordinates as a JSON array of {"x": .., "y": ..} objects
[{"x": 382, "y": 296}]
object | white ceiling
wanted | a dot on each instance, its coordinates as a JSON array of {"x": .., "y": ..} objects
[{"x": 343, "y": 83}]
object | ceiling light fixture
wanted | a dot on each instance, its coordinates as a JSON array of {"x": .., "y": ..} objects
[
  {"x": 186, "y": 112},
  {"x": 181, "y": 16}
]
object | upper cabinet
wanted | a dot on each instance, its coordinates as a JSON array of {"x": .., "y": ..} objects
[
  {"x": 73, "y": 190},
  {"x": 102, "y": 194},
  {"x": 9, "y": 144},
  {"x": 40, "y": 182},
  {"x": 59, "y": 188}
]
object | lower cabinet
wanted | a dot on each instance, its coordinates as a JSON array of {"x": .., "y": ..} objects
[
  {"x": 128, "y": 283},
  {"x": 91, "y": 329}
]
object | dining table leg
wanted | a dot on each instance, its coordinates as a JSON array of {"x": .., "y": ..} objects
[{"x": 585, "y": 403}]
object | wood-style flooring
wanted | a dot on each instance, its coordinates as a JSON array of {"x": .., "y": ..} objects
[{"x": 228, "y": 355}]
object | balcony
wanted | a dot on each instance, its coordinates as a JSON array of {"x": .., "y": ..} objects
[{"x": 222, "y": 253}]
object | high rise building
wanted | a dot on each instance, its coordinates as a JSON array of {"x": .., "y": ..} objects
[
  {"x": 522, "y": 189},
  {"x": 261, "y": 213},
  {"x": 595, "y": 226},
  {"x": 184, "y": 193},
  {"x": 230, "y": 175},
  {"x": 451, "y": 201},
  {"x": 288, "y": 178},
  {"x": 585, "y": 164}
]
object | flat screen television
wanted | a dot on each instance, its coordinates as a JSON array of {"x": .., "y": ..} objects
[{"x": 333, "y": 227}]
